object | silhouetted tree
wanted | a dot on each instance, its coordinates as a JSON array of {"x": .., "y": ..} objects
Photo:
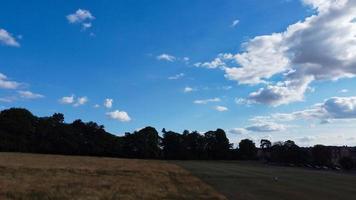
[
  {"x": 142, "y": 144},
  {"x": 346, "y": 163},
  {"x": 58, "y": 118},
  {"x": 247, "y": 149},
  {"x": 265, "y": 144},
  {"x": 217, "y": 145},
  {"x": 172, "y": 144},
  {"x": 21, "y": 131},
  {"x": 321, "y": 155}
]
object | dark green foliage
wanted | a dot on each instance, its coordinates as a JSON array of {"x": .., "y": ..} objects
[
  {"x": 288, "y": 152},
  {"x": 141, "y": 144},
  {"x": 346, "y": 163},
  {"x": 321, "y": 155},
  {"x": 21, "y": 131},
  {"x": 189, "y": 146},
  {"x": 247, "y": 150}
]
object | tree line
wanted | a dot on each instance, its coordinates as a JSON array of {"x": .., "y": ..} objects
[{"x": 21, "y": 131}]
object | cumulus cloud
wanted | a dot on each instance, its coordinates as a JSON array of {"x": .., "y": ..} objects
[
  {"x": 166, "y": 57},
  {"x": 72, "y": 100},
  {"x": 177, "y": 76},
  {"x": 206, "y": 101},
  {"x": 67, "y": 100},
  {"x": 81, "y": 16},
  {"x": 335, "y": 108},
  {"x": 30, "y": 95},
  {"x": 108, "y": 103},
  {"x": 221, "y": 108},
  {"x": 121, "y": 116},
  {"x": 320, "y": 47},
  {"x": 5, "y": 83},
  {"x": 344, "y": 91},
  {"x": 282, "y": 92},
  {"x": 7, "y": 39},
  {"x": 81, "y": 101}
]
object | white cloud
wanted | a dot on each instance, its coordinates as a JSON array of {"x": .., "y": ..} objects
[
  {"x": 67, "y": 100},
  {"x": 108, "y": 103},
  {"x": 321, "y": 47},
  {"x": 340, "y": 107},
  {"x": 121, "y": 116},
  {"x": 30, "y": 95},
  {"x": 238, "y": 131},
  {"x": 81, "y": 101},
  {"x": 7, "y": 99},
  {"x": 86, "y": 25},
  {"x": 235, "y": 23},
  {"x": 166, "y": 57},
  {"x": 188, "y": 89},
  {"x": 7, "y": 39},
  {"x": 96, "y": 106},
  {"x": 344, "y": 91},
  {"x": 282, "y": 92},
  {"x": 206, "y": 101},
  {"x": 186, "y": 59},
  {"x": 335, "y": 108},
  {"x": 81, "y": 16},
  {"x": 5, "y": 83},
  {"x": 221, "y": 108},
  {"x": 177, "y": 76},
  {"x": 266, "y": 127},
  {"x": 219, "y": 62}
]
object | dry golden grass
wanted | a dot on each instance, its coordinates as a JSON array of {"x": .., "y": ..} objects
[{"x": 29, "y": 176}]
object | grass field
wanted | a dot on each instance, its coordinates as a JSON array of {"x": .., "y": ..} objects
[
  {"x": 48, "y": 177},
  {"x": 251, "y": 181}
]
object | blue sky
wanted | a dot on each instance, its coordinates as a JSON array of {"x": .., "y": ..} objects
[{"x": 258, "y": 69}]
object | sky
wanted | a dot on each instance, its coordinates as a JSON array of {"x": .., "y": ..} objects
[{"x": 279, "y": 70}]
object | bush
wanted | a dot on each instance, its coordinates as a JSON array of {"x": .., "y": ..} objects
[{"x": 346, "y": 163}]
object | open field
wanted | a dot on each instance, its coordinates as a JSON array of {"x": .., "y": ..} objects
[
  {"x": 251, "y": 181},
  {"x": 37, "y": 177}
]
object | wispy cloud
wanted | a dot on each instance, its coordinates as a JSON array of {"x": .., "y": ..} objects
[
  {"x": 166, "y": 57},
  {"x": 221, "y": 108},
  {"x": 5, "y": 83},
  {"x": 7, "y": 39},
  {"x": 30, "y": 95},
  {"x": 206, "y": 101},
  {"x": 235, "y": 23},
  {"x": 177, "y": 76},
  {"x": 188, "y": 89}
]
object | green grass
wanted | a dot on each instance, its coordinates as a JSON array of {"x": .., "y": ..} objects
[
  {"x": 250, "y": 181},
  {"x": 51, "y": 177}
]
